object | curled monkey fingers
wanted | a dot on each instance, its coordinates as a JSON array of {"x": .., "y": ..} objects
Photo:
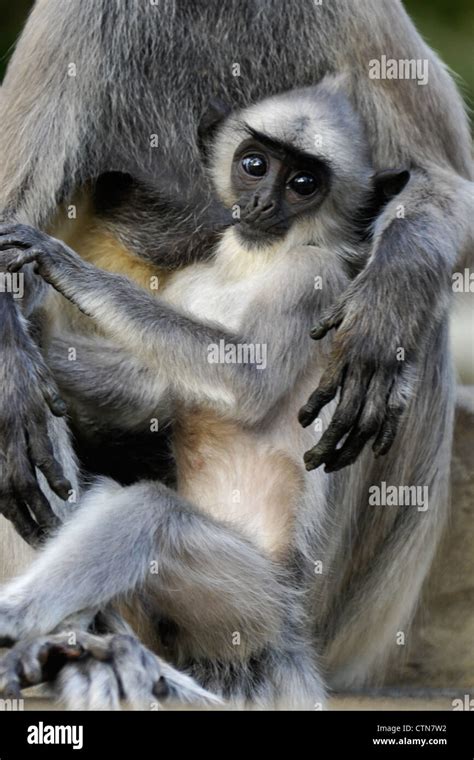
[
  {"x": 374, "y": 392},
  {"x": 39, "y": 660},
  {"x": 25, "y": 446},
  {"x": 22, "y": 245}
]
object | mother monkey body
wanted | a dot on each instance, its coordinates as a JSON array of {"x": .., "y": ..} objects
[{"x": 99, "y": 86}]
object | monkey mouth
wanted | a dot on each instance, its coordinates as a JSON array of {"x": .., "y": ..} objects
[{"x": 251, "y": 234}]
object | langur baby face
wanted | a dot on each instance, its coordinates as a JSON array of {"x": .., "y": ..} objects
[
  {"x": 299, "y": 163},
  {"x": 276, "y": 184}
]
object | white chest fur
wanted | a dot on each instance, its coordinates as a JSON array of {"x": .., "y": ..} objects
[{"x": 223, "y": 289}]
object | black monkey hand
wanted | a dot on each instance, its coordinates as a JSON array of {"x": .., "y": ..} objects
[
  {"x": 26, "y": 390},
  {"x": 373, "y": 363}
]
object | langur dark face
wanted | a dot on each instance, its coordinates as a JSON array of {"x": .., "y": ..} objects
[{"x": 276, "y": 184}]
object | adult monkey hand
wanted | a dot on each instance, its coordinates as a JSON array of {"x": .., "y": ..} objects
[
  {"x": 374, "y": 387},
  {"x": 29, "y": 396},
  {"x": 375, "y": 362}
]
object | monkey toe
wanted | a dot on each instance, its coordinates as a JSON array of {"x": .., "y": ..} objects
[
  {"x": 121, "y": 673},
  {"x": 128, "y": 675},
  {"x": 88, "y": 685},
  {"x": 33, "y": 662}
]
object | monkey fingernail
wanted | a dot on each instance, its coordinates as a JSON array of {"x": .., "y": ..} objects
[
  {"x": 61, "y": 488},
  {"x": 381, "y": 450},
  {"x": 312, "y": 460},
  {"x": 305, "y": 416},
  {"x": 319, "y": 331},
  {"x": 14, "y": 266},
  {"x": 58, "y": 407}
]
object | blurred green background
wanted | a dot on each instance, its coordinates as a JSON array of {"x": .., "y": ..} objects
[{"x": 447, "y": 25}]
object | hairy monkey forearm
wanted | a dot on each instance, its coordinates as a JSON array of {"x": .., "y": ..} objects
[{"x": 106, "y": 381}]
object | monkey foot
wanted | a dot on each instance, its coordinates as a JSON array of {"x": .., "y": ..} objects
[{"x": 89, "y": 672}]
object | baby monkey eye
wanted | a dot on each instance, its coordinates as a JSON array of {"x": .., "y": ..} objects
[
  {"x": 303, "y": 184},
  {"x": 254, "y": 164}
]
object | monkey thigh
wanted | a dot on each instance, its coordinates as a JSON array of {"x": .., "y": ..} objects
[
  {"x": 145, "y": 537},
  {"x": 196, "y": 571}
]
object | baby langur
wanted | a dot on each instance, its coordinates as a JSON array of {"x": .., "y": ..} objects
[{"x": 226, "y": 348}]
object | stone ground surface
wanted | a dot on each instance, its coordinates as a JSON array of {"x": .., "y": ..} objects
[
  {"x": 337, "y": 702},
  {"x": 390, "y": 703}
]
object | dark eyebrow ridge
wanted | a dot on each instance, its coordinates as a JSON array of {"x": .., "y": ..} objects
[{"x": 282, "y": 148}]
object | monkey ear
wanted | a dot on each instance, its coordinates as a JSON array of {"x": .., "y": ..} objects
[
  {"x": 390, "y": 182},
  {"x": 385, "y": 186},
  {"x": 211, "y": 119}
]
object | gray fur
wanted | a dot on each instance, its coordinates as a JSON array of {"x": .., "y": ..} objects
[
  {"x": 191, "y": 551},
  {"x": 58, "y": 140},
  {"x": 53, "y": 140},
  {"x": 208, "y": 561},
  {"x": 145, "y": 681}
]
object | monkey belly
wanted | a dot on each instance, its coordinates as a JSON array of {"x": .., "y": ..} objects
[{"x": 233, "y": 475}]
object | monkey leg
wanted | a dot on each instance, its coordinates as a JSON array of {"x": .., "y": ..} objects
[
  {"x": 200, "y": 573},
  {"x": 121, "y": 539}
]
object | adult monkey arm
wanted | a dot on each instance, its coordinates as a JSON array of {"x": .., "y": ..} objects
[
  {"x": 403, "y": 293},
  {"x": 407, "y": 283},
  {"x": 35, "y": 174}
]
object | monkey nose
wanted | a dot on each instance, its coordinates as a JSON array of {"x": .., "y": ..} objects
[
  {"x": 268, "y": 209},
  {"x": 259, "y": 210}
]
